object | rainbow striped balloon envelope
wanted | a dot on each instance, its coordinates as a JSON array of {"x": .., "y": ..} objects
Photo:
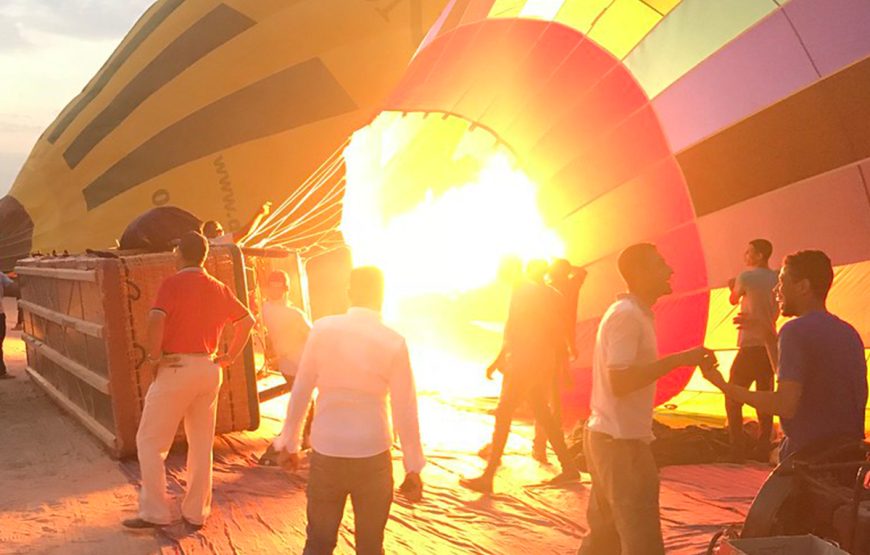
[{"x": 698, "y": 125}]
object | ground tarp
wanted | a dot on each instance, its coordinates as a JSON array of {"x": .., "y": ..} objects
[{"x": 62, "y": 494}]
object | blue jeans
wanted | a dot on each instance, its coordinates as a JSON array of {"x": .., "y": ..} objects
[{"x": 368, "y": 482}]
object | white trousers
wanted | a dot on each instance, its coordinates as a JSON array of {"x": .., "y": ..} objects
[{"x": 186, "y": 390}]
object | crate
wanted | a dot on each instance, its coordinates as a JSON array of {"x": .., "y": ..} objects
[{"x": 85, "y": 320}]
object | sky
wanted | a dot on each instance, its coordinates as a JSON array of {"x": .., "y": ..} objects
[{"x": 49, "y": 50}]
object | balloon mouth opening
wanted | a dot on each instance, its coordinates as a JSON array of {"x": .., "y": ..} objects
[
  {"x": 442, "y": 208},
  {"x": 16, "y": 233}
]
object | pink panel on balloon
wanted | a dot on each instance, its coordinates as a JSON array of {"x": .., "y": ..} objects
[
  {"x": 793, "y": 218},
  {"x": 476, "y": 10}
]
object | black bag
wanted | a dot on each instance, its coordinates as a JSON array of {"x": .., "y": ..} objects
[{"x": 158, "y": 228}]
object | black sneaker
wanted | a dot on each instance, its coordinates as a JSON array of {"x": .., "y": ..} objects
[
  {"x": 481, "y": 484},
  {"x": 565, "y": 477},
  {"x": 140, "y": 524}
]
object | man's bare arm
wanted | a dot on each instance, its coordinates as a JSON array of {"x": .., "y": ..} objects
[
  {"x": 627, "y": 380},
  {"x": 782, "y": 402},
  {"x": 154, "y": 335}
]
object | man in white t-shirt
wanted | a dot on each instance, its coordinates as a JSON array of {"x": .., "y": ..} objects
[
  {"x": 287, "y": 330},
  {"x": 753, "y": 290},
  {"x": 623, "y": 512}
]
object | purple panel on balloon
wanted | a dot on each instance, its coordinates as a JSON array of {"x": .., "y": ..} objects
[
  {"x": 835, "y": 32},
  {"x": 760, "y": 67}
]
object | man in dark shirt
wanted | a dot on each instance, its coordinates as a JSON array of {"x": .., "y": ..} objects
[
  {"x": 822, "y": 389},
  {"x": 567, "y": 281},
  {"x": 533, "y": 346}
]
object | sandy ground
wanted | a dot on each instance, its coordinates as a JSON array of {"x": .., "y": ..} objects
[{"x": 61, "y": 493}]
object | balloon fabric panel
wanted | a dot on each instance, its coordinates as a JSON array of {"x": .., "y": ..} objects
[
  {"x": 814, "y": 131},
  {"x": 693, "y": 31}
]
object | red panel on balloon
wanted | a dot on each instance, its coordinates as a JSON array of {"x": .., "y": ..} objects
[
  {"x": 680, "y": 324},
  {"x": 534, "y": 70},
  {"x": 500, "y": 71},
  {"x": 582, "y": 125},
  {"x": 682, "y": 249},
  {"x": 615, "y": 158},
  {"x": 581, "y": 70},
  {"x": 649, "y": 205}
]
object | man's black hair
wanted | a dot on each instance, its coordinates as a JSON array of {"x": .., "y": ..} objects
[
  {"x": 813, "y": 266},
  {"x": 763, "y": 246},
  {"x": 633, "y": 261},
  {"x": 193, "y": 247}
]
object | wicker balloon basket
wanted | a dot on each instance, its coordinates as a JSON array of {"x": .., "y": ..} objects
[{"x": 85, "y": 319}]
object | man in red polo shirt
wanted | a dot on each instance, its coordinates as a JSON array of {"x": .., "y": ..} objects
[{"x": 184, "y": 326}]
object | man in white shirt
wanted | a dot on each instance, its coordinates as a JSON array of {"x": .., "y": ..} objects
[
  {"x": 287, "y": 329},
  {"x": 5, "y": 282},
  {"x": 356, "y": 363},
  {"x": 623, "y": 512}
]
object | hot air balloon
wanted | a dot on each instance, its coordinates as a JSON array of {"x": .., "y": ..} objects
[
  {"x": 697, "y": 125},
  {"x": 211, "y": 106}
]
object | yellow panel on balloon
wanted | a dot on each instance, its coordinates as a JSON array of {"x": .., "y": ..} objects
[
  {"x": 721, "y": 332},
  {"x": 848, "y": 298},
  {"x": 623, "y": 25},
  {"x": 581, "y": 15},
  {"x": 542, "y": 9},
  {"x": 506, "y": 8}
]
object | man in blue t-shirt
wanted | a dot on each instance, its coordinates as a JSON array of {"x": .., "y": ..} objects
[{"x": 822, "y": 374}]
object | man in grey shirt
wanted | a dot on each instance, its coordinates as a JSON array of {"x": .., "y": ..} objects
[{"x": 753, "y": 290}]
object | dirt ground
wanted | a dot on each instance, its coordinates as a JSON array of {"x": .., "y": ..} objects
[{"x": 61, "y": 493}]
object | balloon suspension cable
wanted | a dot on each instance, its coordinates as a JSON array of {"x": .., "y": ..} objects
[
  {"x": 278, "y": 218},
  {"x": 299, "y": 220}
]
